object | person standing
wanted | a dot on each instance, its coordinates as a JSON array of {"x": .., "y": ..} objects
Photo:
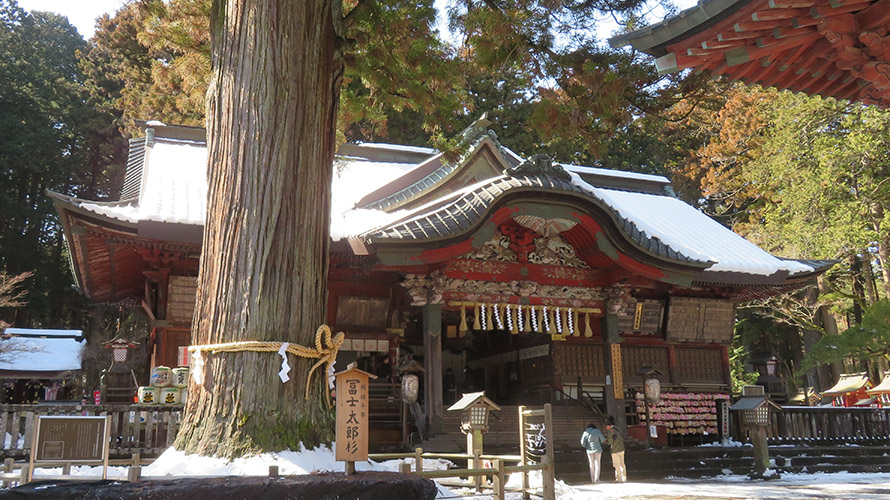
[
  {"x": 592, "y": 441},
  {"x": 615, "y": 440}
]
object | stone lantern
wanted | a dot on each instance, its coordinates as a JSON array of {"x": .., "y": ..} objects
[
  {"x": 652, "y": 393},
  {"x": 474, "y": 410},
  {"x": 753, "y": 409}
]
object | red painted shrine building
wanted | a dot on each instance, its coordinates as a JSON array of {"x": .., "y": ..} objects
[
  {"x": 525, "y": 278},
  {"x": 833, "y": 48}
]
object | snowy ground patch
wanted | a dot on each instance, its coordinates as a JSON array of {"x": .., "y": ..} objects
[{"x": 173, "y": 463}]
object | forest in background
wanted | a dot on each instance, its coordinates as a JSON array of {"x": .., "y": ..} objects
[{"x": 802, "y": 177}]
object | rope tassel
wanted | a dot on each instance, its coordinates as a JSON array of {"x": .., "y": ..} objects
[{"x": 463, "y": 319}]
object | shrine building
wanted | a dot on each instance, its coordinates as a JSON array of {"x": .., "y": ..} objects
[{"x": 530, "y": 280}]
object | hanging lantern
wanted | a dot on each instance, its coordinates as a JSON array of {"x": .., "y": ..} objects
[
  {"x": 410, "y": 387},
  {"x": 119, "y": 348}
]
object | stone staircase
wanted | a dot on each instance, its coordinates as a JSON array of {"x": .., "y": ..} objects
[{"x": 701, "y": 462}]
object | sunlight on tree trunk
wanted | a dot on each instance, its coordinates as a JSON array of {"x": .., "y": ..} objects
[{"x": 271, "y": 125}]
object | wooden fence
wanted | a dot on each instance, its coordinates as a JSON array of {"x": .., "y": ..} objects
[
  {"x": 147, "y": 430},
  {"x": 823, "y": 425}
]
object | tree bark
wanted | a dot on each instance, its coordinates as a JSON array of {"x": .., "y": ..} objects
[
  {"x": 271, "y": 114},
  {"x": 829, "y": 326},
  {"x": 877, "y": 212}
]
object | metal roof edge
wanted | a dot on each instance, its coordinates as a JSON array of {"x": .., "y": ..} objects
[{"x": 653, "y": 38}]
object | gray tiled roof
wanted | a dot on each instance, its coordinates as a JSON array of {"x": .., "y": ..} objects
[
  {"x": 135, "y": 164},
  {"x": 461, "y": 211},
  {"x": 418, "y": 187}
]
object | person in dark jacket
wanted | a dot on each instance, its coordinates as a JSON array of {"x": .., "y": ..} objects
[
  {"x": 615, "y": 440},
  {"x": 592, "y": 440}
]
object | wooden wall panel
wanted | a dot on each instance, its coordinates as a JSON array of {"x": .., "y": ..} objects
[
  {"x": 700, "y": 320},
  {"x": 699, "y": 365},
  {"x": 635, "y": 357},
  {"x": 584, "y": 360},
  {"x": 181, "y": 299}
]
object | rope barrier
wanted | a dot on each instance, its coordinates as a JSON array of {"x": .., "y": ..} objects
[{"x": 326, "y": 349}]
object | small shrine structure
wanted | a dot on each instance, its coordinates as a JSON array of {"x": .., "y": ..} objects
[
  {"x": 532, "y": 280},
  {"x": 831, "y": 48},
  {"x": 881, "y": 392},
  {"x": 850, "y": 389}
]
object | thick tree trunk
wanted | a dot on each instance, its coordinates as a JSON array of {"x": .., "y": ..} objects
[
  {"x": 858, "y": 288},
  {"x": 271, "y": 119},
  {"x": 877, "y": 212}
]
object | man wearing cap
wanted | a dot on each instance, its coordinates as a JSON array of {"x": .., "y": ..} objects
[{"x": 615, "y": 440}]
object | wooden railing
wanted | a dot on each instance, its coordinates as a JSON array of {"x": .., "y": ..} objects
[
  {"x": 144, "y": 429},
  {"x": 823, "y": 425}
]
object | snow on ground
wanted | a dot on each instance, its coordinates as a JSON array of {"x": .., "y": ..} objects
[{"x": 174, "y": 463}]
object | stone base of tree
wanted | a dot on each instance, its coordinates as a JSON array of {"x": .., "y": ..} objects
[{"x": 361, "y": 486}]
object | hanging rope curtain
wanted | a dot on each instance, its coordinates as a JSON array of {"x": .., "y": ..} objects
[{"x": 516, "y": 318}]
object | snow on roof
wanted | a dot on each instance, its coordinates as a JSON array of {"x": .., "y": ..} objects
[
  {"x": 883, "y": 387},
  {"x": 174, "y": 187},
  {"x": 353, "y": 179},
  {"x": 691, "y": 232},
  {"x": 174, "y": 190},
  {"x": 50, "y": 354},
  {"x": 397, "y": 147},
  {"x": 618, "y": 174},
  {"x": 848, "y": 382}
]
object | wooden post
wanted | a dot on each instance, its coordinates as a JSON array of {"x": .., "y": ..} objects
[
  {"x": 498, "y": 480},
  {"x": 66, "y": 469},
  {"x": 405, "y": 468},
  {"x": 418, "y": 459},
  {"x": 548, "y": 433},
  {"x": 523, "y": 460},
  {"x": 477, "y": 463},
  {"x": 8, "y": 466},
  {"x": 761, "y": 451},
  {"x": 350, "y": 468},
  {"x": 26, "y": 475},
  {"x": 612, "y": 394},
  {"x": 547, "y": 473},
  {"x": 405, "y": 440},
  {"x": 432, "y": 360},
  {"x": 273, "y": 471},
  {"x": 134, "y": 473}
]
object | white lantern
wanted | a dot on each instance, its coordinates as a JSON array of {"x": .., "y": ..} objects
[{"x": 410, "y": 387}]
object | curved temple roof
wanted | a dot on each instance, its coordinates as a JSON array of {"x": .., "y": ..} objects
[{"x": 167, "y": 187}]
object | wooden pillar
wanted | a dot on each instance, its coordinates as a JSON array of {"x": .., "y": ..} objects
[
  {"x": 163, "y": 293},
  {"x": 432, "y": 364},
  {"x": 611, "y": 337},
  {"x": 673, "y": 375},
  {"x": 727, "y": 375}
]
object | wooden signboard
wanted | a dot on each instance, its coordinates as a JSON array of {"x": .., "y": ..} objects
[
  {"x": 352, "y": 415},
  {"x": 617, "y": 373},
  {"x": 700, "y": 320},
  {"x": 72, "y": 439},
  {"x": 642, "y": 317}
]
